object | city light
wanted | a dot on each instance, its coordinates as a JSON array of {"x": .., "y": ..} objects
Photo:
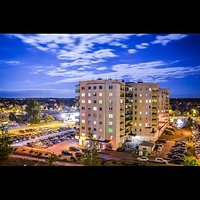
[{"x": 63, "y": 115}]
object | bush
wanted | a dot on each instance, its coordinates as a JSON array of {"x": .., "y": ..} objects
[{"x": 169, "y": 132}]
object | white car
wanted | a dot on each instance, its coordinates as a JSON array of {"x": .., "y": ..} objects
[
  {"x": 160, "y": 160},
  {"x": 143, "y": 159},
  {"x": 159, "y": 148}
]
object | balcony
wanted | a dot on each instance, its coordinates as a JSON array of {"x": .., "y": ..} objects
[{"x": 122, "y": 95}]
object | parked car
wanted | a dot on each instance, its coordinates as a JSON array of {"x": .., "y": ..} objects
[
  {"x": 120, "y": 149},
  {"x": 65, "y": 152},
  {"x": 161, "y": 161},
  {"x": 143, "y": 159}
]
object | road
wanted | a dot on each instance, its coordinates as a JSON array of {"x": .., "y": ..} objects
[
  {"x": 23, "y": 143},
  {"x": 60, "y": 163}
]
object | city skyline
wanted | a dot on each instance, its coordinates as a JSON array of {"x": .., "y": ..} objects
[{"x": 50, "y": 65}]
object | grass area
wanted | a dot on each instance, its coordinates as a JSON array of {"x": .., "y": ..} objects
[
  {"x": 178, "y": 134},
  {"x": 21, "y": 162}
]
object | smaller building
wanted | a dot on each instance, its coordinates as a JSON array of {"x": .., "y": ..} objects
[{"x": 146, "y": 148}]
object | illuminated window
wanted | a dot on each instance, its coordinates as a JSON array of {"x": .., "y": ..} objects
[
  {"x": 146, "y": 100},
  {"x": 145, "y": 124},
  {"x": 83, "y": 94},
  {"x": 140, "y": 95},
  {"x": 110, "y": 123},
  {"x": 94, "y": 136},
  {"x": 146, "y": 113},
  {"x": 110, "y": 130},
  {"x": 110, "y": 116},
  {"x": 83, "y": 134},
  {"x": 95, "y": 122},
  {"x": 100, "y": 130},
  {"x": 100, "y": 101},
  {"x": 111, "y": 137},
  {"x": 121, "y": 100},
  {"x": 110, "y": 101},
  {"x": 89, "y": 94},
  {"x": 140, "y": 112},
  {"x": 135, "y": 124},
  {"x": 83, "y": 121},
  {"x": 100, "y": 94},
  {"x": 89, "y": 101},
  {"x": 146, "y": 95},
  {"x": 83, "y": 101},
  {"x": 94, "y": 108},
  {"x": 110, "y": 94},
  {"x": 94, "y": 94},
  {"x": 149, "y": 89},
  {"x": 149, "y": 100},
  {"x": 140, "y": 101},
  {"x": 140, "y": 124},
  {"x": 83, "y": 114}
]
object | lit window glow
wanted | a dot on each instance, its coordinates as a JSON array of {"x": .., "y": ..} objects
[
  {"x": 140, "y": 124},
  {"x": 89, "y": 101},
  {"x": 149, "y": 100},
  {"x": 110, "y": 94},
  {"x": 140, "y": 101},
  {"x": 83, "y": 114},
  {"x": 110, "y": 116},
  {"x": 89, "y": 94},
  {"x": 94, "y": 122},
  {"x": 140, "y": 112},
  {"x": 83, "y": 101},
  {"x": 140, "y": 95},
  {"x": 110, "y": 123},
  {"x": 100, "y": 101},
  {"x": 100, "y": 94},
  {"x": 94, "y": 108},
  {"x": 83, "y": 121},
  {"x": 83, "y": 94},
  {"x": 110, "y": 130}
]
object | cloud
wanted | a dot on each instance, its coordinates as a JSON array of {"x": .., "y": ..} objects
[
  {"x": 142, "y": 46},
  {"x": 164, "y": 40},
  {"x": 101, "y": 68},
  {"x": 132, "y": 50},
  {"x": 14, "y": 62},
  {"x": 142, "y": 34}
]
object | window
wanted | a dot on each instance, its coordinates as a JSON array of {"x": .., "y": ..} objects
[
  {"x": 149, "y": 100},
  {"x": 83, "y": 101},
  {"x": 110, "y": 101},
  {"x": 140, "y": 101},
  {"x": 100, "y": 122},
  {"x": 89, "y": 87},
  {"x": 135, "y": 124},
  {"x": 94, "y": 115},
  {"x": 146, "y": 100},
  {"x": 100, "y": 87},
  {"x": 83, "y": 108},
  {"x": 135, "y": 118},
  {"x": 83, "y": 127},
  {"x": 83, "y": 121},
  {"x": 135, "y": 95},
  {"x": 100, "y": 101},
  {"x": 89, "y": 128},
  {"x": 110, "y": 87},
  {"x": 94, "y": 94},
  {"x": 135, "y": 101},
  {"x": 111, "y": 137},
  {"x": 100, "y": 94},
  {"x": 89, "y": 101},
  {"x": 83, "y": 94},
  {"x": 121, "y": 100},
  {"x": 95, "y": 101},
  {"x": 140, "y": 118},
  {"x": 146, "y": 113},
  {"x": 94, "y": 108},
  {"x": 140, "y": 124},
  {"x": 149, "y": 89},
  {"x": 110, "y": 130},
  {"x": 94, "y": 136},
  {"x": 135, "y": 89},
  {"x": 135, "y": 107},
  {"x": 83, "y": 134},
  {"x": 110, "y": 94},
  {"x": 140, "y": 112},
  {"x": 135, "y": 130},
  {"x": 140, "y": 95},
  {"x": 100, "y": 130},
  {"x": 140, "y": 130},
  {"x": 110, "y": 123},
  {"x": 146, "y": 95},
  {"x": 95, "y": 87},
  {"x": 135, "y": 112},
  {"x": 89, "y": 115},
  {"x": 110, "y": 116},
  {"x": 83, "y": 88},
  {"x": 94, "y": 129},
  {"x": 149, "y": 106},
  {"x": 95, "y": 122},
  {"x": 100, "y": 108},
  {"x": 88, "y": 121},
  {"x": 89, "y": 108},
  {"x": 146, "y": 124},
  {"x": 110, "y": 108},
  {"x": 83, "y": 114},
  {"x": 89, "y": 94}
]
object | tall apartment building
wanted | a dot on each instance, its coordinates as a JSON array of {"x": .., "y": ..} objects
[
  {"x": 102, "y": 111},
  {"x": 116, "y": 111},
  {"x": 163, "y": 110}
]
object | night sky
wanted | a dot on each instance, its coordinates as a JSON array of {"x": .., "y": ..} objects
[{"x": 49, "y": 65}]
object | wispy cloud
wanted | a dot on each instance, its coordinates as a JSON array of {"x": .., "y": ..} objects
[
  {"x": 132, "y": 51},
  {"x": 13, "y": 62},
  {"x": 164, "y": 40},
  {"x": 142, "y": 46}
]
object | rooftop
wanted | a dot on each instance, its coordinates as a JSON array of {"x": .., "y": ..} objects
[{"x": 147, "y": 143}]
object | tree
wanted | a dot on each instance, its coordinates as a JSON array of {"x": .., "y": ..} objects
[
  {"x": 5, "y": 148},
  {"x": 49, "y": 118},
  {"x": 33, "y": 111},
  {"x": 192, "y": 162},
  {"x": 189, "y": 122},
  {"x": 12, "y": 117},
  {"x": 52, "y": 159},
  {"x": 4, "y": 118},
  {"x": 90, "y": 157},
  {"x": 177, "y": 112}
]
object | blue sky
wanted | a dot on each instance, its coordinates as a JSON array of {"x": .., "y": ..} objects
[{"x": 49, "y": 65}]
